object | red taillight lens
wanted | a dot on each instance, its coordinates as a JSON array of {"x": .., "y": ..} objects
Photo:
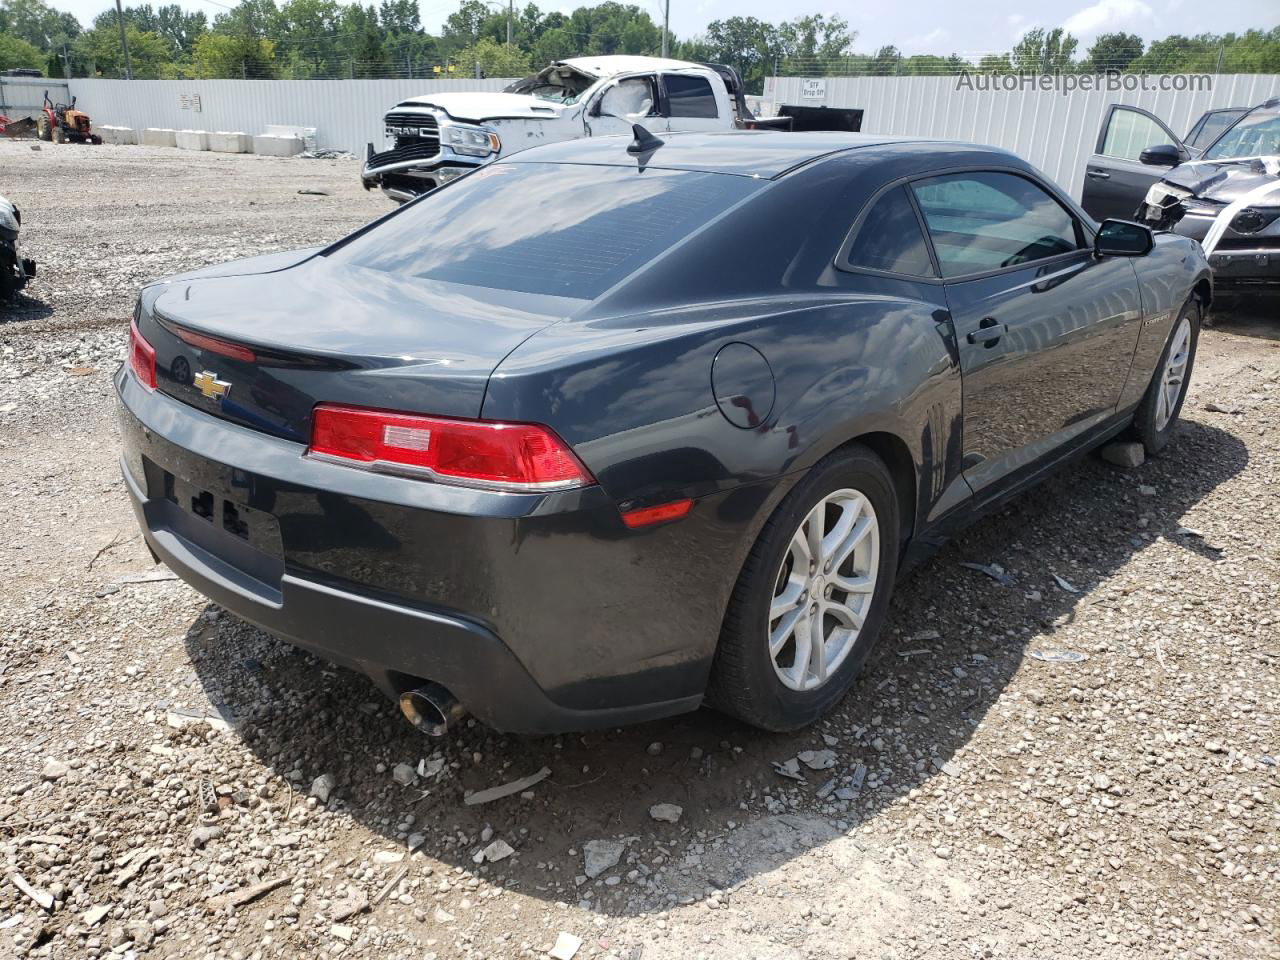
[
  {"x": 479, "y": 453},
  {"x": 142, "y": 357},
  {"x": 213, "y": 344}
]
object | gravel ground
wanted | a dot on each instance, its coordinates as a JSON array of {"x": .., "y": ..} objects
[{"x": 176, "y": 783}]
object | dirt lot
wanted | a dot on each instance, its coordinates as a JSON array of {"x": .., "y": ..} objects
[{"x": 160, "y": 758}]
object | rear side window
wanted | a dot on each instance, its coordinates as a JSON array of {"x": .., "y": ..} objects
[
  {"x": 889, "y": 238},
  {"x": 690, "y": 97},
  {"x": 1211, "y": 125},
  {"x": 986, "y": 220},
  {"x": 566, "y": 230}
]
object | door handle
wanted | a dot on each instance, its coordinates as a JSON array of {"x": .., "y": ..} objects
[
  {"x": 989, "y": 331},
  {"x": 1098, "y": 175}
]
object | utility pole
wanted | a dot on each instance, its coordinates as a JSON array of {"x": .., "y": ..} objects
[
  {"x": 666, "y": 29},
  {"x": 510, "y": 12},
  {"x": 124, "y": 43}
]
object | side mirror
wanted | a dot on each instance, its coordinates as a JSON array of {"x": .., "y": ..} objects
[
  {"x": 1120, "y": 238},
  {"x": 1161, "y": 155}
]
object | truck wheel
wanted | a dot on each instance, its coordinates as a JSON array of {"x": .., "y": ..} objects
[
  {"x": 1156, "y": 419},
  {"x": 811, "y": 597}
]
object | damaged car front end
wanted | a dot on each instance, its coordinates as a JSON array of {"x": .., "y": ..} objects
[
  {"x": 428, "y": 148},
  {"x": 1229, "y": 200},
  {"x": 439, "y": 137}
]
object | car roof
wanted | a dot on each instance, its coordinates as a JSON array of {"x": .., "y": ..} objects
[
  {"x": 613, "y": 65},
  {"x": 748, "y": 153}
]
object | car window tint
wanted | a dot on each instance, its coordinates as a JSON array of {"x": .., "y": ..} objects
[
  {"x": 566, "y": 230},
  {"x": 986, "y": 220},
  {"x": 1212, "y": 125},
  {"x": 690, "y": 97},
  {"x": 889, "y": 238},
  {"x": 1255, "y": 135},
  {"x": 1129, "y": 133}
]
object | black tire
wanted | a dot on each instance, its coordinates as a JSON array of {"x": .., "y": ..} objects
[
  {"x": 1146, "y": 421},
  {"x": 743, "y": 681},
  {"x": 43, "y": 132}
]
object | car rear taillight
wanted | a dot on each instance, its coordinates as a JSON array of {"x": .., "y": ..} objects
[
  {"x": 520, "y": 457},
  {"x": 142, "y": 357}
]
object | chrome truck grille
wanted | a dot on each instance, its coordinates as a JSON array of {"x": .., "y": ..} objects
[{"x": 412, "y": 129}]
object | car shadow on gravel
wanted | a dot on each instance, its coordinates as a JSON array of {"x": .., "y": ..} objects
[
  {"x": 1255, "y": 316},
  {"x": 954, "y": 639},
  {"x": 23, "y": 307}
]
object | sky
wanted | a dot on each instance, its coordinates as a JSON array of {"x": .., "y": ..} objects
[{"x": 925, "y": 26}]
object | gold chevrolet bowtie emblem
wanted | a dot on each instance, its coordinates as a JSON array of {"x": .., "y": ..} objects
[{"x": 208, "y": 383}]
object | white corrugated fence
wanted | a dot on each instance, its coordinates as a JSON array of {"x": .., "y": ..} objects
[
  {"x": 24, "y": 96},
  {"x": 347, "y": 114},
  {"x": 1056, "y": 132}
]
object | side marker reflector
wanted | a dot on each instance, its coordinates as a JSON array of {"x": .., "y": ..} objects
[{"x": 647, "y": 516}]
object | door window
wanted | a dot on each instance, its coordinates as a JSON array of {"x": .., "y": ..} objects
[
  {"x": 1211, "y": 125},
  {"x": 1130, "y": 132},
  {"x": 986, "y": 220},
  {"x": 890, "y": 238},
  {"x": 631, "y": 99},
  {"x": 690, "y": 97}
]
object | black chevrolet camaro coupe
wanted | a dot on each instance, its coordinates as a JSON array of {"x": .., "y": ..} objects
[{"x": 607, "y": 430}]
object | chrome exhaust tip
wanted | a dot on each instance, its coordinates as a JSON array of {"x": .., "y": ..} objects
[{"x": 431, "y": 708}]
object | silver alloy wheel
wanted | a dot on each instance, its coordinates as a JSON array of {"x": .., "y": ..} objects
[
  {"x": 824, "y": 589},
  {"x": 1173, "y": 377}
]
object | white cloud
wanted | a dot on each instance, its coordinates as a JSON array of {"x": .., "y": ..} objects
[{"x": 1109, "y": 16}]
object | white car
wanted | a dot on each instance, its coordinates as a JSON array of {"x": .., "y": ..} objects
[{"x": 438, "y": 137}]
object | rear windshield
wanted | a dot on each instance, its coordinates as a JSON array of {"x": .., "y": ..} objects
[{"x": 561, "y": 229}]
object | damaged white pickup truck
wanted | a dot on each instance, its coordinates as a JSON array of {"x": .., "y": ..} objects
[{"x": 435, "y": 138}]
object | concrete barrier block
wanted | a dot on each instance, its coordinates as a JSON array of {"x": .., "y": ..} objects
[
  {"x": 118, "y": 135},
  {"x": 271, "y": 145},
  {"x": 192, "y": 140},
  {"x": 230, "y": 142},
  {"x": 159, "y": 137}
]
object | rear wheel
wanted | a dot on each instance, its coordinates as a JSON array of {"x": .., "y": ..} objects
[
  {"x": 43, "y": 130},
  {"x": 811, "y": 597},
  {"x": 1156, "y": 419}
]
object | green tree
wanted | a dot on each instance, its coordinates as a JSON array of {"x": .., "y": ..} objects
[
  {"x": 1044, "y": 51},
  {"x": 1112, "y": 51},
  {"x": 234, "y": 55},
  {"x": 38, "y": 24},
  {"x": 886, "y": 62},
  {"x": 16, "y": 52},
  {"x": 150, "y": 54},
  {"x": 554, "y": 44},
  {"x": 494, "y": 59},
  {"x": 752, "y": 46}
]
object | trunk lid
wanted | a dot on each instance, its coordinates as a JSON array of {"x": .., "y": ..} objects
[{"x": 263, "y": 349}]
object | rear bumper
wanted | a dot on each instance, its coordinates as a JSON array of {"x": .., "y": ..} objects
[{"x": 526, "y": 639}]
